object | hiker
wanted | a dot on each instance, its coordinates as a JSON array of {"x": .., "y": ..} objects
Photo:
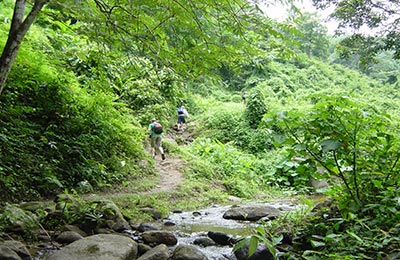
[
  {"x": 182, "y": 113},
  {"x": 155, "y": 132},
  {"x": 244, "y": 97}
]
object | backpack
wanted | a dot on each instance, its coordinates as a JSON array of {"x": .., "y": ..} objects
[
  {"x": 158, "y": 129},
  {"x": 180, "y": 110}
]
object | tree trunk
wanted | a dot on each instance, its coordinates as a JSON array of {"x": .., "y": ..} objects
[{"x": 19, "y": 28}]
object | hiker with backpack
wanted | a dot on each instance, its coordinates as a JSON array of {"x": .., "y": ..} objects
[
  {"x": 244, "y": 97},
  {"x": 182, "y": 113},
  {"x": 155, "y": 131}
]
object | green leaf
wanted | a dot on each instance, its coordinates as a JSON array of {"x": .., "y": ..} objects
[
  {"x": 277, "y": 240},
  {"x": 253, "y": 243},
  {"x": 359, "y": 239},
  {"x": 330, "y": 145},
  {"x": 377, "y": 184},
  {"x": 315, "y": 244},
  {"x": 279, "y": 139},
  {"x": 300, "y": 147}
]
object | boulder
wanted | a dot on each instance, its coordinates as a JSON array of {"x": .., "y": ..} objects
[
  {"x": 187, "y": 252},
  {"x": 261, "y": 253},
  {"x": 7, "y": 253},
  {"x": 159, "y": 237},
  {"x": 19, "y": 221},
  {"x": 75, "y": 229},
  {"x": 221, "y": 238},
  {"x": 18, "y": 247},
  {"x": 119, "y": 224},
  {"x": 169, "y": 224},
  {"x": 204, "y": 241},
  {"x": 32, "y": 206},
  {"x": 68, "y": 237},
  {"x": 252, "y": 213},
  {"x": 98, "y": 247},
  {"x": 143, "y": 248},
  {"x": 159, "y": 252},
  {"x": 146, "y": 227},
  {"x": 104, "y": 231}
]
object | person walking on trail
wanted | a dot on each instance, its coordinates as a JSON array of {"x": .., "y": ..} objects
[
  {"x": 244, "y": 97},
  {"x": 182, "y": 113},
  {"x": 155, "y": 132}
]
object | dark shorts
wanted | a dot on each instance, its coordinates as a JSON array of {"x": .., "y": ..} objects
[{"x": 181, "y": 119}]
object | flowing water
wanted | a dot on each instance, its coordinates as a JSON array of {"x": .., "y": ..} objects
[
  {"x": 189, "y": 226},
  {"x": 192, "y": 225}
]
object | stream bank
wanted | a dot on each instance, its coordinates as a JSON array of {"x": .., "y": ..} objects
[{"x": 211, "y": 232}]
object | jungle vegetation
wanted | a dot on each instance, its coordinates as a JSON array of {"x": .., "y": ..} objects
[{"x": 88, "y": 76}]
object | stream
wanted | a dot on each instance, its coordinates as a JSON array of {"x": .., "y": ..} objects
[{"x": 191, "y": 225}]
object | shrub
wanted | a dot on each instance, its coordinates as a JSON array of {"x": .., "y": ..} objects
[
  {"x": 243, "y": 175},
  {"x": 55, "y": 134},
  {"x": 220, "y": 122},
  {"x": 255, "y": 108}
]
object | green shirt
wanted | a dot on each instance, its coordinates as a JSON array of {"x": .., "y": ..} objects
[{"x": 151, "y": 128}]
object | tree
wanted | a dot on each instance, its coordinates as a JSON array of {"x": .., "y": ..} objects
[
  {"x": 189, "y": 37},
  {"x": 313, "y": 39},
  {"x": 18, "y": 29},
  {"x": 192, "y": 38},
  {"x": 381, "y": 20}
]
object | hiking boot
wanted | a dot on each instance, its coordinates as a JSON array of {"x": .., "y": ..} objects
[{"x": 163, "y": 156}]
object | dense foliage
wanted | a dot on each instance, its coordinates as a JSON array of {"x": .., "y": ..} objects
[
  {"x": 56, "y": 134},
  {"x": 328, "y": 123},
  {"x": 80, "y": 95}
]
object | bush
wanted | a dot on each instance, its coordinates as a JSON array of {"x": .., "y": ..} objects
[
  {"x": 220, "y": 122},
  {"x": 55, "y": 134},
  {"x": 243, "y": 175},
  {"x": 255, "y": 108},
  {"x": 254, "y": 141}
]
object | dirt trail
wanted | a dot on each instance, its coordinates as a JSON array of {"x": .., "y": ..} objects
[
  {"x": 170, "y": 169},
  {"x": 170, "y": 174}
]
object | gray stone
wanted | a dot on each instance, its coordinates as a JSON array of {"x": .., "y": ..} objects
[
  {"x": 68, "y": 237},
  {"x": 169, "y": 224},
  {"x": 22, "y": 222},
  {"x": 204, "y": 241},
  {"x": 159, "y": 237},
  {"x": 143, "y": 248},
  {"x": 103, "y": 231},
  {"x": 187, "y": 252},
  {"x": 221, "y": 238},
  {"x": 75, "y": 229},
  {"x": 159, "y": 252},
  {"x": 18, "y": 247},
  {"x": 98, "y": 247},
  {"x": 32, "y": 206},
  {"x": 8, "y": 254},
  {"x": 261, "y": 253},
  {"x": 196, "y": 214},
  {"x": 146, "y": 227},
  {"x": 108, "y": 209},
  {"x": 251, "y": 213},
  {"x": 120, "y": 224}
]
